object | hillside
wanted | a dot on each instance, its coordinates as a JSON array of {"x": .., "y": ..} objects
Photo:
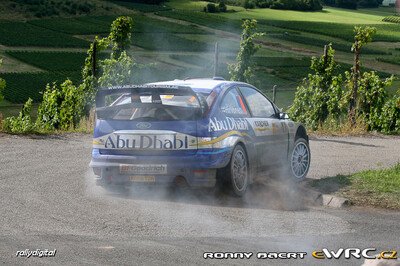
[{"x": 180, "y": 39}]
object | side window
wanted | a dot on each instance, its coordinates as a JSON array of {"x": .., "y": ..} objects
[
  {"x": 233, "y": 104},
  {"x": 258, "y": 104}
]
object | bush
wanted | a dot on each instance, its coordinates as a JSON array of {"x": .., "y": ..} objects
[
  {"x": 22, "y": 123},
  {"x": 320, "y": 94},
  {"x": 372, "y": 97},
  {"x": 369, "y": 3},
  {"x": 61, "y": 108},
  {"x": 390, "y": 116},
  {"x": 349, "y": 4},
  {"x": 302, "y": 5},
  {"x": 248, "y": 4},
  {"x": 222, "y": 7},
  {"x": 211, "y": 8}
]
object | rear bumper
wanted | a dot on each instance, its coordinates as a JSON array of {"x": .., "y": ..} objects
[{"x": 198, "y": 170}]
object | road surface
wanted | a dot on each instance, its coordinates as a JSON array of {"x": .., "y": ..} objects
[{"x": 49, "y": 201}]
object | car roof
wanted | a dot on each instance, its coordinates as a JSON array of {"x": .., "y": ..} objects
[{"x": 198, "y": 85}]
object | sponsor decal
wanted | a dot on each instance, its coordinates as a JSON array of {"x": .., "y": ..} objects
[
  {"x": 261, "y": 123},
  {"x": 145, "y": 140},
  {"x": 143, "y": 169},
  {"x": 229, "y": 123},
  {"x": 232, "y": 110},
  {"x": 143, "y": 125}
]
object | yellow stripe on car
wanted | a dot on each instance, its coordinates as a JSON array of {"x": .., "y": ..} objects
[{"x": 220, "y": 138}]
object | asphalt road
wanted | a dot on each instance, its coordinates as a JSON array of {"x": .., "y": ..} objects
[{"x": 49, "y": 201}]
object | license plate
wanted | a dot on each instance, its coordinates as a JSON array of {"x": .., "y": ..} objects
[
  {"x": 143, "y": 169},
  {"x": 143, "y": 178}
]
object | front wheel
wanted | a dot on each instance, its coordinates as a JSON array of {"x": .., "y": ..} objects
[{"x": 299, "y": 160}]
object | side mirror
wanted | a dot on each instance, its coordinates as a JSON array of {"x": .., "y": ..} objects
[{"x": 283, "y": 115}]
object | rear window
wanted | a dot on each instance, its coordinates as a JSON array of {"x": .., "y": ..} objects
[{"x": 150, "y": 106}]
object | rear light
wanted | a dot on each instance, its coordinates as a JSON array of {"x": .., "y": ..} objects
[{"x": 200, "y": 171}]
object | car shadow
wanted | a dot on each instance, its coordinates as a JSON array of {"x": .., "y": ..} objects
[
  {"x": 270, "y": 194},
  {"x": 346, "y": 142}
]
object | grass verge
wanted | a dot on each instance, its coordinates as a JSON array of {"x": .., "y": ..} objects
[{"x": 377, "y": 188}]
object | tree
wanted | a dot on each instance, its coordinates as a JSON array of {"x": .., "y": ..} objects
[
  {"x": 118, "y": 40},
  {"x": 120, "y": 35},
  {"x": 363, "y": 35},
  {"x": 222, "y": 6},
  {"x": 242, "y": 70}
]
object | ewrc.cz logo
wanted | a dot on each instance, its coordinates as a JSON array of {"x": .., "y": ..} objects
[{"x": 353, "y": 253}]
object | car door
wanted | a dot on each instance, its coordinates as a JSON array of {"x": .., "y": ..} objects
[{"x": 271, "y": 133}]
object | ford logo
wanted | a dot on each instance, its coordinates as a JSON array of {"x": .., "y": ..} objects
[{"x": 143, "y": 125}]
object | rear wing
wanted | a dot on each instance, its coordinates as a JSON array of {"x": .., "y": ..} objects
[{"x": 102, "y": 93}]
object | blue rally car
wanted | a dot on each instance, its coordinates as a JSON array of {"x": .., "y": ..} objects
[{"x": 195, "y": 131}]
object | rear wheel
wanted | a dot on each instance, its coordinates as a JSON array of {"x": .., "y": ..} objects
[
  {"x": 299, "y": 160},
  {"x": 236, "y": 173}
]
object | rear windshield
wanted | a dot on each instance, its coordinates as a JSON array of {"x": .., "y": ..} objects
[{"x": 150, "y": 107}]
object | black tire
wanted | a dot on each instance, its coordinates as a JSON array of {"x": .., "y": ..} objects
[
  {"x": 299, "y": 160},
  {"x": 235, "y": 175}
]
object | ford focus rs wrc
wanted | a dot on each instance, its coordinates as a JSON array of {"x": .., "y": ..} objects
[{"x": 196, "y": 131}]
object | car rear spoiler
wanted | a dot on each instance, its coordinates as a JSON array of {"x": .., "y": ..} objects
[{"x": 183, "y": 90}]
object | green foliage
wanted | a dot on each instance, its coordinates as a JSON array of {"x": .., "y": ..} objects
[
  {"x": 118, "y": 40},
  {"x": 76, "y": 26},
  {"x": 21, "y": 86},
  {"x": 120, "y": 35},
  {"x": 51, "y": 61},
  {"x": 61, "y": 108},
  {"x": 222, "y": 6},
  {"x": 205, "y": 19},
  {"x": 31, "y": 35},
  {"x": 169, "y": 42},
  {"x": 372, "y": 98},
  {"x": 385, "y": 32},
  {"x": 211, "y": 8},
  {"x": 242, "y": 69},
  {"x": 393, "y": 19},
  {"x": 116, "y": 71},
  {"x": 46, "y": 8},
  {"x": 145, "y": 8},
  {"x": 390, "y": 115},
  {"x": 2, "y": 84},
  {"x": 363, "y": 35},
  {"x": 148, "y": 2},
  {"x": 321, "y": 41},
  {"x": 302, "y": 5},
  {"x": 23, "y": 122},
  {"x": 101, "y": 24},
  {"x": 320, "y": 94}
]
